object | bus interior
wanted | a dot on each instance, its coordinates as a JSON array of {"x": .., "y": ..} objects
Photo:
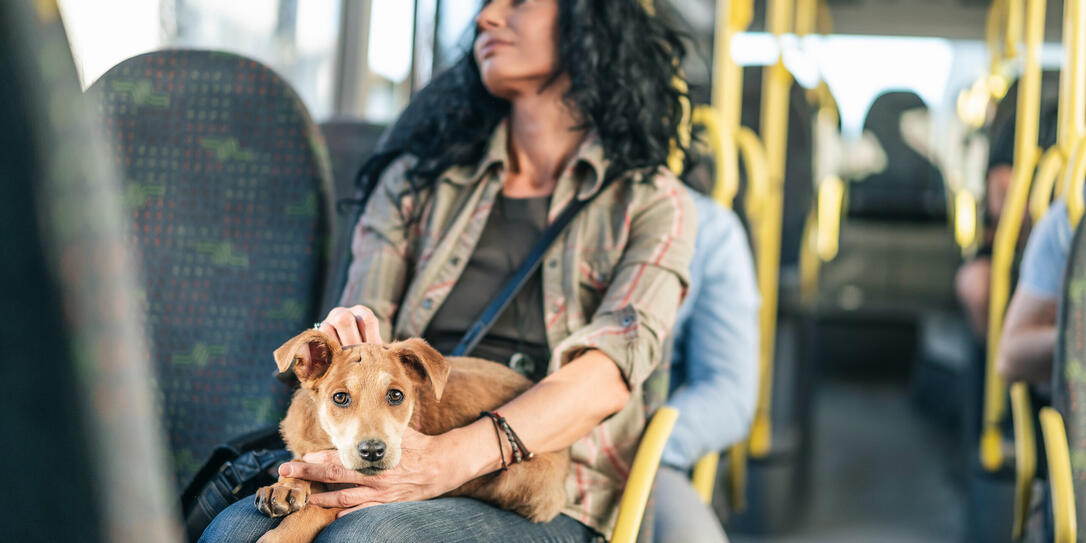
[{"x": 852, "y": 137}]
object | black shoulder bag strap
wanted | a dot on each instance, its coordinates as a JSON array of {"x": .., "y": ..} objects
[{"x": 482, "y": 325}]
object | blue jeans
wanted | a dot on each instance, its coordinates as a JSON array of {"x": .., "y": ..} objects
[{"x": 443, "y": 519}]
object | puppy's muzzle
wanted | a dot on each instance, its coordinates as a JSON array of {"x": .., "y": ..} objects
[{"x": 372, "y": 450}]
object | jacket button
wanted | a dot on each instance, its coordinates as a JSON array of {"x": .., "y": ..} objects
[
  {"x": 553, "y": 263},
  {"x": 454, "y": 260},
  {"x": 427, "y": 303}
]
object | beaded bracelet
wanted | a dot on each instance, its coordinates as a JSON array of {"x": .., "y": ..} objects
[
  {"x": 520, "y": 451},
  {"x": 498, "y": 434}
]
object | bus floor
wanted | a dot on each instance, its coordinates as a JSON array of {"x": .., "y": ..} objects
[{"x": 881, "y": 470}]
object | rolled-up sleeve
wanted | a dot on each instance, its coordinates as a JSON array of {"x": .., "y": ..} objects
[
  {"x": 638, "y": 308},
  {"x": 381, "y": 247}
]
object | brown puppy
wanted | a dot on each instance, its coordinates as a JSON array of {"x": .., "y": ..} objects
[{"x": 360, "y": 399}]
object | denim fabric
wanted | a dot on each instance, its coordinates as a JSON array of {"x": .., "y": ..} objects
[
  {"x": 714, "y": 364},
  {"x": 681, "y": 516},
  {"x": 450, "y": 520}
]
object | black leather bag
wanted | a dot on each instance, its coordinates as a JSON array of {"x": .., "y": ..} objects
[{"x": 236, "y": 469}]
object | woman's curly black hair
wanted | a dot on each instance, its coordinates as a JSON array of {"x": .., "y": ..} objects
[{"x": 621, "y": 63}]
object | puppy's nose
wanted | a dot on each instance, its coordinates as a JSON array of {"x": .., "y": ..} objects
[{"x": 372, "y": 450}]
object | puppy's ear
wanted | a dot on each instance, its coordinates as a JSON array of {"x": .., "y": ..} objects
[
  {"x": 425, "y": 362},
  {"x": 309, "y": 354}
]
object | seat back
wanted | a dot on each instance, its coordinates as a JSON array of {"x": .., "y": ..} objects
[
  {"x": 1069, "y": 364},
  {"x": 910, "y": 187},
  {"x": 82, "y": 445},
  {"x": 350, "y": 143},
  {"x": 226, "y": 186}
]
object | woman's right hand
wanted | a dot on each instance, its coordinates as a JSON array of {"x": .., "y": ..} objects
[{"x": 352, "y": 325}]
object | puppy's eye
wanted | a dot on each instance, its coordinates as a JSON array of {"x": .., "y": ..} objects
[
  {"x": 341, "y": 399},
  {"x": 394, "y": 397}
]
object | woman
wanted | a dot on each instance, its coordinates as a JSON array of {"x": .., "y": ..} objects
[{"x": 556, "y": 99}]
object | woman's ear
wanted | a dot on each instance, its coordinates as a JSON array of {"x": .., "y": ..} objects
[
  {"x": 424, "y": 362},
  {"x": 309, "y": 354}
]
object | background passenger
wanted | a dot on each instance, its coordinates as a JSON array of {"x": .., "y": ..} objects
[
  {"x": 714, "y": 369},
  {"x": 1029, "y": 329},
  {"x": 557, "y": 99}
]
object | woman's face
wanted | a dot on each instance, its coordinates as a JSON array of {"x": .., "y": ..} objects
[{"x": 516, "y": 46}]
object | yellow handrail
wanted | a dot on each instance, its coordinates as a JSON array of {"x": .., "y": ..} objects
[
  {"x": 1013, "y": 36},
  {"x": 724, "y": 185},
  {"x": 775, "y": 95},
  {"x": 704, "y": 476},
  {"x": 1025, "y": 455},
  {"x": 1077, "y": 172},
  {"x": 1048, "y": 169},
  {"x": 1025, "y": 158},
  {"x": 831, "y": 195},
  {"x": 757, "y": 166},
  {"x": 642, "y": 474},
  {"x": 808, "y": 259},
  {"x": 1059, "y": 476},
  {"x": 965, "y": 218}
]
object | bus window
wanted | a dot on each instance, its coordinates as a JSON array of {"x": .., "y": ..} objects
[{"x": 297, "y": 39}]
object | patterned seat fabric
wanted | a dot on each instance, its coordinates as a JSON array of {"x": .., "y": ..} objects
[
  {"x": 350, "y": 143},
  {"x": 79, "y": 433},
  {"x": 1069, "y": 366},
  {"x": 226, "y": 186}
]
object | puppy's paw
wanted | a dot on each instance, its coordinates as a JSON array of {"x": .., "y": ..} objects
[{"x": 282, "y": 498}]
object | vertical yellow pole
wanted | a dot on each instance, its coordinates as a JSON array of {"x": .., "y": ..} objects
[
  {"x": 775, "y": 93},
  {"x": 1025, "y": 159}
]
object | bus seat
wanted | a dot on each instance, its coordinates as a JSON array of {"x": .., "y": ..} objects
[
  {"x": 227, "y": 188},
  {"x": 1068, "y": 388},
  {"x": 83, "y": 447},
  {"x": 350, "y": 143},
  {"x": 910, "y": 188}
]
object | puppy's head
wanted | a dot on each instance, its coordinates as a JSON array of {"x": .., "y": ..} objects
[{"x": 365, "y": 394}]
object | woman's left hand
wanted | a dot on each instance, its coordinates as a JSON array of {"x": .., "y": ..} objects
[{"x": 424, "y": 472}]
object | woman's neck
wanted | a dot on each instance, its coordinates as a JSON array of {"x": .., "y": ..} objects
[{"x": 542, "y": 139}]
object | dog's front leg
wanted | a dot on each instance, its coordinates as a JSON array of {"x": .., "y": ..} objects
[
  {"x": 284, "y": 497},
  {"x": 302, "y": 526}
]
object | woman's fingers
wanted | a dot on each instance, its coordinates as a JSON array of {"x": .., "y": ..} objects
[
  {"x": 348, "y": 497},
  {"x": 356, "y": 508},
  {"x": 352, "y": 325},
  {"x": 324, "y": 473},
  {"x": 368, "y": 323}
]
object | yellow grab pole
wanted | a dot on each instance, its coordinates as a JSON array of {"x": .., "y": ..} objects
[
  {"x": 727, "y": 93},
  {"x": 1025, "y": 158},
  {"x": 775, "y": 93},
  {"x": 1072, "y": 112},
  {"x": 1013, "y": 13},
  {"x": 1025, "y": 456},
  {"x": 1059, "y": 475}
]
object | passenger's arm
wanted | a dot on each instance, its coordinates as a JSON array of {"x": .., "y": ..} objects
[
  {"x": 1029, "y": 329},
  {"x": 1029, "y": 338},
  {"x": 716, "y": 402}
]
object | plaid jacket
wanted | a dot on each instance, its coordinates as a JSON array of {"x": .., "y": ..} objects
[{"x": 613, "y": 282}]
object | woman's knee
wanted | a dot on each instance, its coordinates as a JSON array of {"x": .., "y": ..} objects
[
  {"x": 239, "y": 522},
  {"x": 382, "y": 523}
]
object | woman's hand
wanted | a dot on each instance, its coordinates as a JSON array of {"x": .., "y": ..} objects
[
  {"x": 426, "y": 470},
  {"x": 352, "y": 325}
]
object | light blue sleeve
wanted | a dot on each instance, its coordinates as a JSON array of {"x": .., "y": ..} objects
[
  {"x": 1046, "y": 252},
  {"x": 716, "y": 402}
]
